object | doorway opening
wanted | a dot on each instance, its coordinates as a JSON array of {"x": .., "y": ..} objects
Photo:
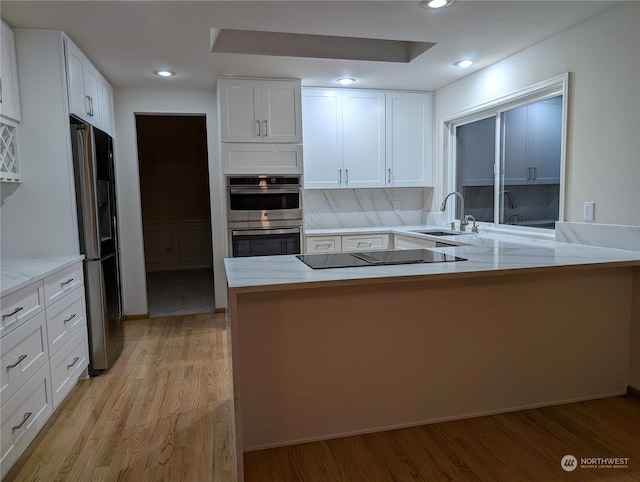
[{"x": 176, "y": 213}]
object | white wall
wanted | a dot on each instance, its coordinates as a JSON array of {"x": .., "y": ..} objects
[
  {"x": 603, "y": 155},
  {"x": 39, "y": 215},
  {"x": 131, "y": 101}
]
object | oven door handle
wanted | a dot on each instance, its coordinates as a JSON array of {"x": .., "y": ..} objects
[
  {"x": 259, "y": 232},
  {"x": 264, "y": 190}
]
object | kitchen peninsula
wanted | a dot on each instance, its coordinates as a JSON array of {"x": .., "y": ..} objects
[{"x": 332, "y": 352}]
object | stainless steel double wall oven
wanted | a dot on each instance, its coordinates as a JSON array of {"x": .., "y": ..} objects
[{"x": 264, "y": 215}]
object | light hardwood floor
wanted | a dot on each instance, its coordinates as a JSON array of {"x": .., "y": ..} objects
[{"x": 162, "y": 413}]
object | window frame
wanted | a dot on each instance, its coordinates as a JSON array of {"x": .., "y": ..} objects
[{"x": 546, "y": 89}]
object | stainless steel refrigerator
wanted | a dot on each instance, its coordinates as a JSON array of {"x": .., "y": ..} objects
[{"x": 97, "y": 218}]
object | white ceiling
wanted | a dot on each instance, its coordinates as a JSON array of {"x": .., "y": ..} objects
[{"x": 128, "y": 40}]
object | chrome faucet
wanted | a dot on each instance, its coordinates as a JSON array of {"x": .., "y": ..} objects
[
  {"x": 463, "y": 219},
  {"x": 474, "y": 229}
]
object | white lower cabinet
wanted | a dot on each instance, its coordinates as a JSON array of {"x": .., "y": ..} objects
[
  {"x": 353, "y": 242},
  {"x": 365, "y": 242},
  {"x": 23, "y": 353},
  {"x": 23, "y": 416},
  {"x": 65, "y": 319},
  {"x": 43, "y": 352},
  {"x": 324, "y": 244},
  {"x": 67, "y": 365},
  {"x": 408, "y": 242}
]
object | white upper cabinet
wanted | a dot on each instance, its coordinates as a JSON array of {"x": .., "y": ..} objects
[
  {"x": 83, "y": 85},
  {"x": 322, "y": 133},
  {"x": 105, "y": 102},
  {"x": 254, "y": 110},
  {"x": 90, "y": 95},
  {"x": 9, "y": 108},
  {"x": 9, "y": 95},
  {"x": 366, "y": 138},
  {"x": 363, "y": 130},
  {"x": 408, "y": 139}
]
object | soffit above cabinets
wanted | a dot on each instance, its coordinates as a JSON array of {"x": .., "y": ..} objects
[{"x": 284, "y": 44}]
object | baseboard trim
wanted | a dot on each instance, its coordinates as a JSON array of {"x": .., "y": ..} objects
[
  {"x": 142, "y": 316},
  {"x": 633, "y": 392},
  {"x": 220, "y": 310}
]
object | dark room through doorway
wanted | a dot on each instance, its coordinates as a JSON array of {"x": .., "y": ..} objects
[{"x": 176, "y": 213}]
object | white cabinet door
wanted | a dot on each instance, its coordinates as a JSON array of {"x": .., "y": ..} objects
[
  {"x": 9, "y": 96},
  {"x": 105, "y": 103},
  {"x": 281, "y": 111},
  {"x": 364, "y": 138},
  {"x": 253, "y": 110},
  {"x": 240, "y": 110},
  {"x": 322, "y": 134},
  {"x": 82, "y": 79},
  {"x": 408, "y": 139},
  {"x": 75, "y": 81}
]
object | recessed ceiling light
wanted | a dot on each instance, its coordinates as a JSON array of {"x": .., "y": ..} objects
[
  {"x": 346, "y": 81},
  {"x": 435, "y": 3},
  {"x": 464, "y": 63},
  {"x": 164, "y": 73}
]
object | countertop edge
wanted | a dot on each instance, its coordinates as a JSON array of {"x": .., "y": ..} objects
[
  {"x": 21, "y": 272},
  {"x": 304, "y": 284}
]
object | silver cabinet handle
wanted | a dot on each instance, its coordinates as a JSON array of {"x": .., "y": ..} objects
[
  {"x": 25, "y": 417},
  {"x": 66, "y": 282},
  {"x": 389, "y": 181},
  {"x": 346, "y": 174},
  {"x": 258, "y": 122},
  {"x": 87, "y": 102},
  {"x": 75, "y": 360},
  {"x": 69, "y": 319},
  {"x": 92, "y": 113},
  {"x": 266, "y": 132},
  {"x": 323, "y": 246},
  {"x": 0, "y": 91},
  {"x": 535, "y": 173},
  {"x": 20, "y": 358},
  {"x": 364, "y": 243},
  {"x": 339, "y": 176},
  {"x": 17, "y": 310}
]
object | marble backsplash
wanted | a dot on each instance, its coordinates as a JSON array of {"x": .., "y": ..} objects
[
  {"x": 602, "y": 235},
  {"x": 363, "y": 208}
]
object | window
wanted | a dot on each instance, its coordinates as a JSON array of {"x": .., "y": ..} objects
[{"x": 507, "y": 159}]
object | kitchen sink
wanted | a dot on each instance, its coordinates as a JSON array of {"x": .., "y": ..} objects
[{"x": 438, "y": 233}]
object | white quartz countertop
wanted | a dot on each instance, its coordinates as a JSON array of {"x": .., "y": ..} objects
[
  {"x": 20, "y": 272},
  {"x": 486, "y": 253}
]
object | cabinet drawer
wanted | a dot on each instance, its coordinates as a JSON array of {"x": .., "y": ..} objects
[
  {"x": 65, "y": 318},
  {"x": 402, "y": 242},
  {"x": 324, "y": 244},
  {"x": 22, "y": 353},
  {"x": 59, "y": 284},
  {"x": 18, "y": 307},
  {"x": 23, "y": 416},
  {"x": 67, "y": 365},
  {"x": 365, "y": 242}
]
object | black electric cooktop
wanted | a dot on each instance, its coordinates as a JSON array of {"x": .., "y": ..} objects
[{"x": 375, "y": 258}]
